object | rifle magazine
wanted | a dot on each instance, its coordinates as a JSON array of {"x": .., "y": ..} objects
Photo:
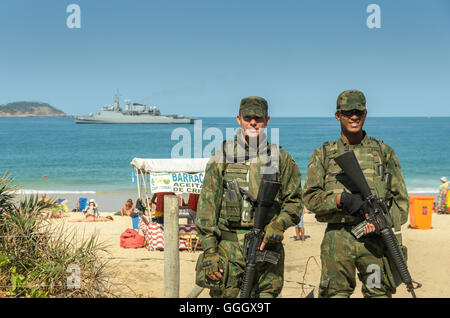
[
  {"x": 358, "y": 229},
  {"x": 268, "y": 256}
]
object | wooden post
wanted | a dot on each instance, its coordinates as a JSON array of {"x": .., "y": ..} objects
[
  {"x": 195, "y": 292},
  {"x": 171, "y": 248}
]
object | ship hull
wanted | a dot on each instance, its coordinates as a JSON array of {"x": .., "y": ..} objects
[{"x": 133, "y": 120}]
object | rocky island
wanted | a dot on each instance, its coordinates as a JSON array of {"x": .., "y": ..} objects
[{"x": 30, "y": 109}]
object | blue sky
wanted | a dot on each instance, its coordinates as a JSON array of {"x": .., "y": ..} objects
[{"x": 200, "y": 57}]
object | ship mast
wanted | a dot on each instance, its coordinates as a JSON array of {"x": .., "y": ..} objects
[{"x": 116, "y": 102}]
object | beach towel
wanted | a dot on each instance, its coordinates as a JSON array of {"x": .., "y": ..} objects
[
  {"x": 131, "y": 239},
  {"x": 154, "y": 235}
]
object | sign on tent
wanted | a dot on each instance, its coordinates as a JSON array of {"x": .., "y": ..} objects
[{"x": 180, "y": 182}]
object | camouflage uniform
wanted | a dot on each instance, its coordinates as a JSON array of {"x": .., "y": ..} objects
[
  {"x": 341, "y": 252},
  {"x": 222, "y": 223}
]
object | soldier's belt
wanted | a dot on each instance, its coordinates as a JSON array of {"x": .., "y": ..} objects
[{"x": 261, "y": 256}]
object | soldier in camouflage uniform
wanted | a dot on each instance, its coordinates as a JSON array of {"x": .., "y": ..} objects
[
  {"x": 223, "y": 215},
  {"x": 328, "y": 195}
]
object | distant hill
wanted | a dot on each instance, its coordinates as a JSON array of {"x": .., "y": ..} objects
[{"x": 29, "y": 109}]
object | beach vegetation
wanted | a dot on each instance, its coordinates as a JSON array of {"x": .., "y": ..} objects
[{"x": 40, "y": 258}]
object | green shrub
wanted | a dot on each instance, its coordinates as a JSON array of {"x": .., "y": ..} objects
[{"x": 41, "y": 259}]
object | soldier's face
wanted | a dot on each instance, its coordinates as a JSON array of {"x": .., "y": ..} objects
[
  {"x": 253, "y": 126},
  {"x": 351, "y": 121}
]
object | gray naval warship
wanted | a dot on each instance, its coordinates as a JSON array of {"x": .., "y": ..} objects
[{"x": 133, "y": 114}]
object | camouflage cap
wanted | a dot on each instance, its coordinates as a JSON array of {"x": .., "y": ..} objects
[
  {"x": 253, "y": 106},
  {"x": 351, "y": 99}
]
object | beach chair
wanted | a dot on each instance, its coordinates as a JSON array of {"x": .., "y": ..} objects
[{"x": 82, "y": 204}]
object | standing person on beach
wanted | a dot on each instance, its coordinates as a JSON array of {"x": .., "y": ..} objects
[
  {"x": 333, "y": 203},
  {"x": 223, "y": 214},
  {"x": 442, "y": 198},
  {"x": 158, "y": 199},
  {"x": 300, "y": 228}
]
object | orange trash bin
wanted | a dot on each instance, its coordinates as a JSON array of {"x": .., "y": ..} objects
[{"x": 420, "y": 212}]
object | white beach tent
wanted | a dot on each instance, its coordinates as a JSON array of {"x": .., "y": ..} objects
[
  {"x": 189, "y": 165},
  {"x": 143, "y": 168}
]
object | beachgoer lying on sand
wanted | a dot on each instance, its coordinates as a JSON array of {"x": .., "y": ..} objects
[
  {"x": 54, "y": 214},
  {"x": 93, "y": 218},
  {"x": 128, "y": 208}
]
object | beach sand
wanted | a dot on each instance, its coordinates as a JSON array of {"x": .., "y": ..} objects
[{"x": 141, "y": 272}]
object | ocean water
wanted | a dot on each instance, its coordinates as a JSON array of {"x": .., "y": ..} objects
[{"x": 96, "y": 158}]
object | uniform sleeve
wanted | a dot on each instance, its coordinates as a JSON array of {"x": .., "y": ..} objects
[
  {"x": 208, "y": 206},
  {"x": 398, "y": 191},
  {"x": 291, "y": 193},
  {"x": 315, "y": 198}
]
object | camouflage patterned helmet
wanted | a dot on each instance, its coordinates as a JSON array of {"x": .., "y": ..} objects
[
  {"x": 351, "y": 99},
  {"x": 253, "y": 106}
]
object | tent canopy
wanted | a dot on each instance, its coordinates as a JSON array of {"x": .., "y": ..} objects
[{"x": 189, "y": 165}]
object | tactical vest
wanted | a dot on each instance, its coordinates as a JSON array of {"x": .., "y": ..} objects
[
  {"x": 235, "y": 214},
  {"x": 370, "y": 157}
]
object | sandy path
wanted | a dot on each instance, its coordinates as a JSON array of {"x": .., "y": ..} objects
[{"x": 143, "y": 270}]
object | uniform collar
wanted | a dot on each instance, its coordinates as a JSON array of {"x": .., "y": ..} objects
[
  {"x": 240, "y": 142},
  {"x": 363, "y": 142},
  {"x": 243, "y": 152}
]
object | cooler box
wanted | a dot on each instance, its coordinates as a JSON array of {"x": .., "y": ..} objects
[
  {"x": 135, "y": 221},
  {"x": 420, "y": 212}
]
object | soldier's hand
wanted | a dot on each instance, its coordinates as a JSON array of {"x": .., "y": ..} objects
[
  {"x": 211, "y": 265},
  {"x": 369, "y": 228},
  {"x": 351, "y": 203},
  {"x": 216, "y": 275},
  {"x": 274, "y": 234}
]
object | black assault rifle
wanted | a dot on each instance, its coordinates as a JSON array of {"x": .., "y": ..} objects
[
  {"x": 266, "y": 195},
  {"x": 378, "y": 215}
]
